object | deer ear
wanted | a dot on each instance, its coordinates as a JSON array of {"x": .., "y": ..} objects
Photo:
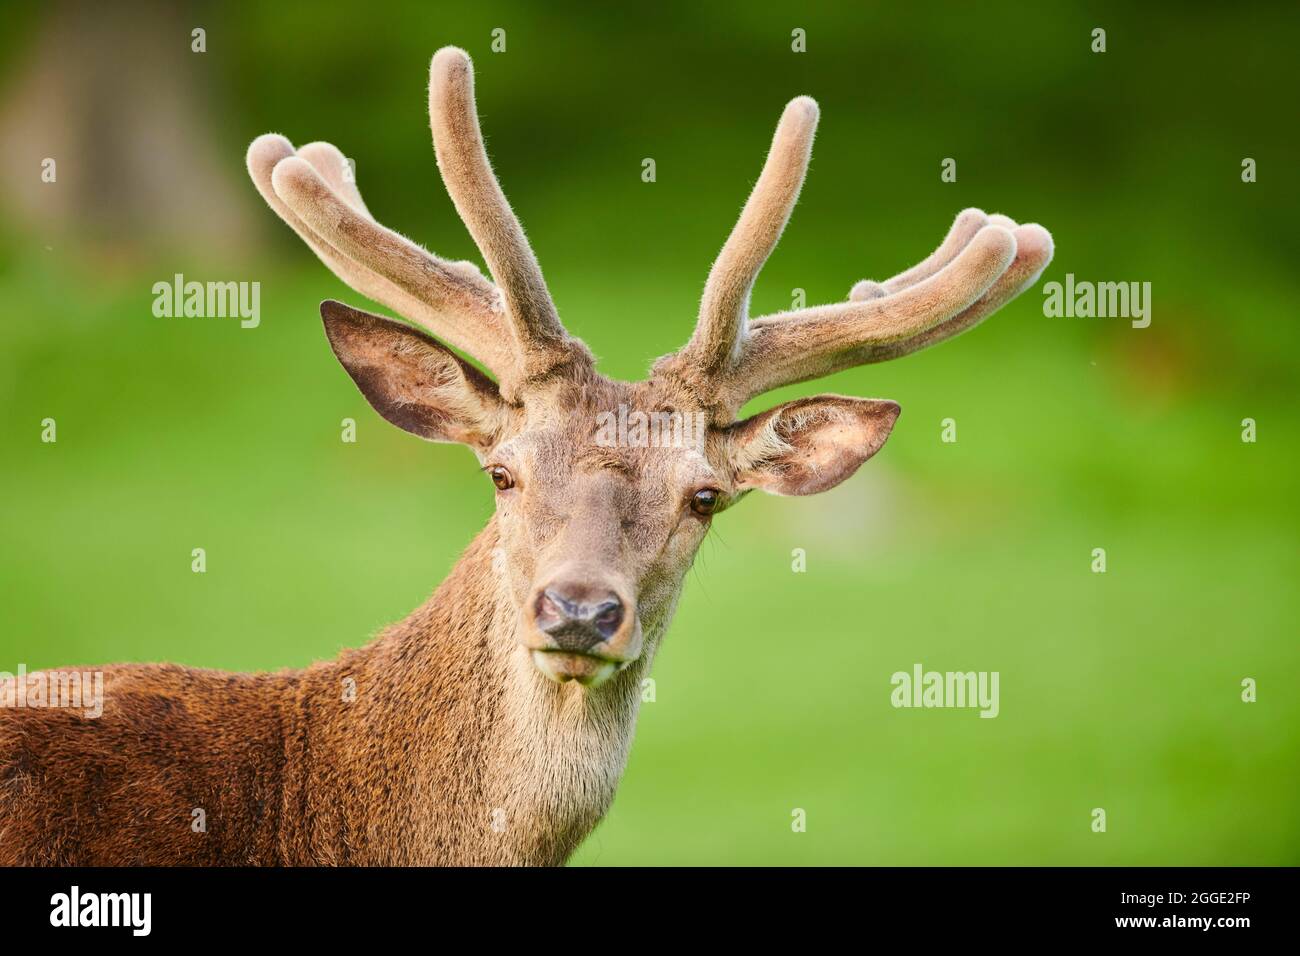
[
  {"x": 414, "y": 381},
  {"x": 808, "y": 445}
]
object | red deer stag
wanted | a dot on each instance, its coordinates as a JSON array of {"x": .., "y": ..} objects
[{"x": 492, "y": 725}]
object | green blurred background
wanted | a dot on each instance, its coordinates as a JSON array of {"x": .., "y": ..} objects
[{"x": 1118, "y": 690}]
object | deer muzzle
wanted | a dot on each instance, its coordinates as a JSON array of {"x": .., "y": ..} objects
[{"x": 581, "y": 631}]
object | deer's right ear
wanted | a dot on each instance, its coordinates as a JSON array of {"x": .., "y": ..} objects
[{"x": 413, "y": 380}]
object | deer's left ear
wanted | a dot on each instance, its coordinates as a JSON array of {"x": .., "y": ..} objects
[
  {"x": 415, "y": 381},
  {"x": 808, "y": 445}
]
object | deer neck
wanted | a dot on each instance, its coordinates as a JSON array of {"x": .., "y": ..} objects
[{"x": 457, "y": 750}]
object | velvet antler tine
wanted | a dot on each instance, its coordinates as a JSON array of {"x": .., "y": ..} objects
[
  {"x": 381, "y": 250},
  {"x": 437, "y": 294},
  {"x": 328, "y": 160},
  {"x": 865, "y": 289},
  {"x": 963, "y": 230},
  {"x": 1034, "y": 250},
  {"x": 458, "y": 144},
  {"x": 792, "y": 347},
  {"x": 264, "y": 154},
  {"x": 334, "y": 168},
  {"x": 725, "y": 303},
  {"x": 487, "y": 344}
]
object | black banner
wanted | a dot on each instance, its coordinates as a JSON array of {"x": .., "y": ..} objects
[{"x": 218, "y": 905}]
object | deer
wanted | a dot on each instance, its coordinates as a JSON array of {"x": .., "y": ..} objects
[{"x": 492, "y": 725}]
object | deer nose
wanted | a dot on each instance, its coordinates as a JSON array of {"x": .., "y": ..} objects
[{"x": 577, "y": 620}]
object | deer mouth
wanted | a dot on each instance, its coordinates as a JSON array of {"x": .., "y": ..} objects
[{"x": 563, "y": 666}]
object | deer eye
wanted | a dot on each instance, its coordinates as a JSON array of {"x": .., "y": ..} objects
[
  {"x": 705, "y": 501},
  {"x": 501, "y": 477}
]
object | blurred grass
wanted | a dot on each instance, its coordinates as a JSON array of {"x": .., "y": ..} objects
[{"x": 1118, "y": 690}]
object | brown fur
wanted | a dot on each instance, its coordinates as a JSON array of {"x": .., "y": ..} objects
[
  {"x": 474, "y": 732},
  {"x": 288, "y": 772}
]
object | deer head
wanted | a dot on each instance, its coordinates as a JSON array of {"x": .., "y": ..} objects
[{"x": 599, "y": 515}]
